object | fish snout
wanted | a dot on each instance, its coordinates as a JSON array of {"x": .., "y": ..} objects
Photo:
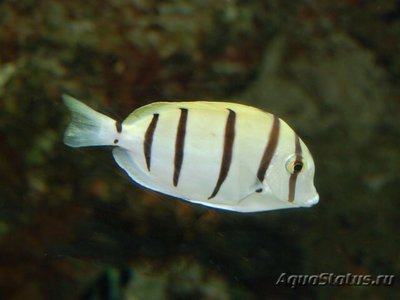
[{"x": 312, "y": 201}]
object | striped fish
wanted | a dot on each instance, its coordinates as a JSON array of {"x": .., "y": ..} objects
[{"x": 223, "y": 155}]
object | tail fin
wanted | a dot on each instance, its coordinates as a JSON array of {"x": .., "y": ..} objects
[{"x": 87, "y": 127}]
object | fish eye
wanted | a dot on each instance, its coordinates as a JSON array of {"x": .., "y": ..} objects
[{"x": 295, "y": 166}]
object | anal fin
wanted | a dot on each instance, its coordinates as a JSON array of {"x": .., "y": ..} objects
[{"x": 124, "y": 159}]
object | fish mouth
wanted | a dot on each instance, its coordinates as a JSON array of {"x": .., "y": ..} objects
[{"x": 312, "y": 201}]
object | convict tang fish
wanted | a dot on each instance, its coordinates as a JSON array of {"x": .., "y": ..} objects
[{"x": 223, "y": 155}]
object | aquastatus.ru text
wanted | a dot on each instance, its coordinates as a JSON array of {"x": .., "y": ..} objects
[{"x": 332, "y": 279}]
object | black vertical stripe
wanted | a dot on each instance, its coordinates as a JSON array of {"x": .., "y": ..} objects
[
  {"x": 269, "y": 149},
  {"x": 118, "y": 126},
  {"x": 180, "y": 144},
  {"x": 148, "y": 140},
  {"x": 227, "y": 152},
  {"x": 293, "y": 177}
]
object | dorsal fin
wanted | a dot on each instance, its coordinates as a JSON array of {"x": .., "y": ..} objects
[
  {"x": 158, "y": 107},
  {"x": 151, "y": 109}
]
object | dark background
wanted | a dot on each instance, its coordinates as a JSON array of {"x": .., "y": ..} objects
[{"x": 72, "y": 224}]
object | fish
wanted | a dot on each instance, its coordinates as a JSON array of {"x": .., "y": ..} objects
[{"x": 222, "y": 155}]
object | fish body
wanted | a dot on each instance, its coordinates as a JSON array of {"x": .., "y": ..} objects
[{"x": 219, "y": 154}]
